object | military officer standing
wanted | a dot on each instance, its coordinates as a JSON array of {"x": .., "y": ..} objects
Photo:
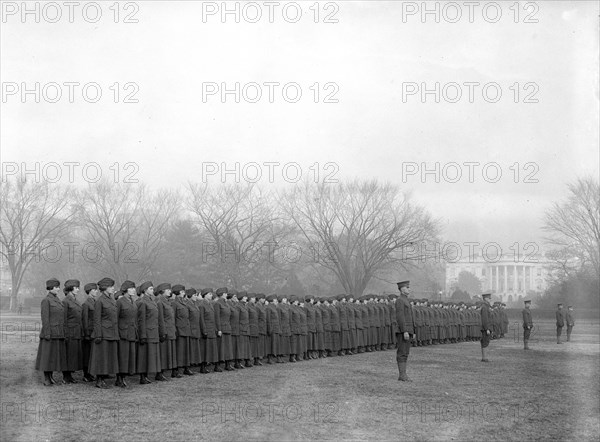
[
  {"x": 527, "y": 324},
  {"x": 486, "y": 324},
  {"x": 87, "y": 317},
  {"x": 570, "y": 319},
  {"x": 560, "y": 322},
  {"x": 404, "y": 318}
]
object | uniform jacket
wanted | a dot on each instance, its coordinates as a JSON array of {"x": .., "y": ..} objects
[
  {"x": 570, "y": 319},
  {"x": 234, "y": 319},
  {"x": 404, "y": 316},
  {"x": 182, "y": 317},
  {"x": 150, "y": 319},
  {"x": 87, "y": 317},
  {"x": 527, "y": 321},
  {"x": 106, "y": 321},
  {"x": 53, "y": 318},
  {"x": 334, "y": 319},
  {"x": 244, "y": 319},
  {"x": 560, "y": 318},
  {"x": 285, "y": 319},
  {"x": 73, "y": 318},
  {"x": 168, "y": 317},
  {"x": 222, "y": 314},
  {"x": 311, "y": 317},
  {"x": 273, "y": 322},
  {"x": 194, "y": 318},
  {"x": 207, "y": 319},
  {"x": 295, "y": 325},
  {"x": 253, "y": 319},
  {"x": 127, "y": 314},
  {"x": 486, "y": 320},
  {"x": 262, "y": 318}
]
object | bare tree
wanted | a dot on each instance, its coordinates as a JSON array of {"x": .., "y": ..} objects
[
  {"x": 33, "y": 215},
  {"x": 574, "y": 227},
  {"x": 241, "y": 233},
  {"x": 361, "y": 227}
]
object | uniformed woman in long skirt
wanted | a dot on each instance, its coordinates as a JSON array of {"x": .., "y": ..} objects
[
  {"x": 182, "y": 326},
  {"x": 210, "y": 350},
  {"x": 127, "y": 314},
  {"x": 168, "y": 347},
  {"x": 194, "y": 318},
  {"x": 223, "y": 326},
  {"x": 150, "y": 332},
  {"x": 51, "y": 355},
  {"x": 87, "y": 319},
  {"x": 104, "y": 360},
  {"x": 73, "y": 330}
]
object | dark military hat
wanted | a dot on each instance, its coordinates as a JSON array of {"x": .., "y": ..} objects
[
  {"x": 252, "y": 295},
  {"x": 403, "y": 284},
  {"x": 487, "y": 294},
  {"x": 221, "y": 290},
  {"x": 190, "y": 292},
  {"x": 90, "y": 286},
  {"x": 231, "y": 293},
  {"x": 105, "y": 283},
  {"x": 307, "y": 298},
  {"x": 559, "y": 304},
  {"x": 127, "y": 285},
  {"x": 260, "y": 296},
  {"x": 292, "y": 299},
  {"x": 527, "y": 302},
  {"x": 271, "y": 298},
  {"x": 162, "y": 287},
  {"x": 206, "y": 291},
  {"x": 177, "y": 288},
  {"x": 70, "y": 283},
  {"x": 241, "y": 294},
  {"x": 51, "y": 283},
  {"x": 145, "y": 286}
]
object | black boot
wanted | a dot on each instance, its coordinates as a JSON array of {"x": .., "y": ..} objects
[
  {"x": 248, "y": 364},
  {"x": 100, "y": 382},
  {"x": 160, "y": 376},
  {"x": 144, "y": 379},
  {"x": 118, "y": 381},
  {"x": 47, "y": 381},
  {"x": 203, "y": 368},
  {"x": 67, "y": 378},
  {"x": 87, "y": 377},
  {"x": 123, "y": 383},
  {"x": 228, "y": 366},
  {"x": 218, "y": 368},
  {"x": 188, "y": 372}
]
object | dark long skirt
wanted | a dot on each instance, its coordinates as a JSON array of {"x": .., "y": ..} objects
[
  {"x": 353, "y": 338},
  {"x": 319, "y": 341},
  {"x": 302, "y": 344},
  {"x": 104, "y": 359},
  {"x": 254, "y": 347},
  {"x": 274, "y": 347},
  {"x": 295, "y": 344},
  {"x": 195, "y": 355},
  {"x": 284, "y": 345},
  {"x": 127, "y": 356},
  {"x": 359, "y": 337},
  {"x": 168, "y": 354},
  {"x": 211, "y": 350},
  {"x": 74, "y": 355},
  {"x": 372, "y": 335},
  {"x": 86, "y": 351},
  {"x": 225, "y": 344},
  {"x": 328, "y": 340},
  {"x": 183, "y": 351},
  {"x": 261, "y": 346},
  {"x": 345, "y": 336},
  {"x": 336, "y": 341},
  {"x": 51, "y": 355},
  {"x": 242, "y": 347},
  {"x": 148, "y": 358}
]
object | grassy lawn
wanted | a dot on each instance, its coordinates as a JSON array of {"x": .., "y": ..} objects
[{"x": 548, "y": 393}]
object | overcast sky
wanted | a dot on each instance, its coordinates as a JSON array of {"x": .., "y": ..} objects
[{"x": 374, "y": 52}]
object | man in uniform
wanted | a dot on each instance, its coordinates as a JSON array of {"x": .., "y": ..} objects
[
  {"x": 570, "y": 322},
  {"x": 486, "y": 324},
  {"x": 404, "y": 318},
  {"x": 527, "y": 324},
  {"x": 560, "y": 322}
]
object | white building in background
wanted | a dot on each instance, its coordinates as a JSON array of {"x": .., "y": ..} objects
[{"x": 505, "y": 277}]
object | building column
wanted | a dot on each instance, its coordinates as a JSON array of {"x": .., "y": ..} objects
[
  {"x": 505, "y": 278},
  {"x": 497, "y": 280}
]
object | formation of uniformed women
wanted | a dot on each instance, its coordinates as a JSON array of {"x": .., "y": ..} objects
[{"x": 162, "y": 330}]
